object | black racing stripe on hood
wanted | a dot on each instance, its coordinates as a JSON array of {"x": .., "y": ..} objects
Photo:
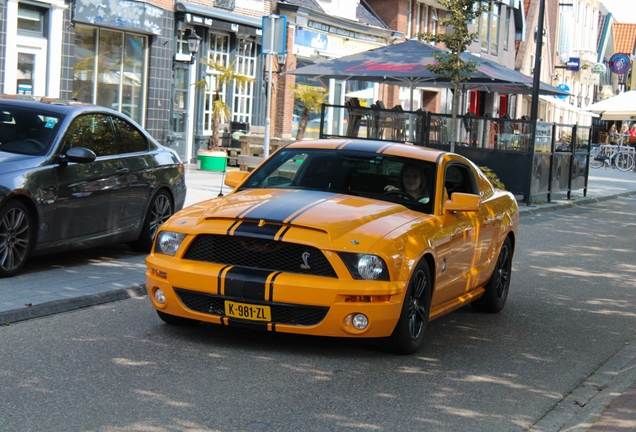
[
  {"x": 246, "y": 283},
  {"x": 282, "y": 207},
  {"x": 368, "y": 146},
  {"x": 251, "y": 229}
]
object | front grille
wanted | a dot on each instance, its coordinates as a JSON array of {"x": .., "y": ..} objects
[
  {"x": 258, "y": 253},
  {"x": 281, "y": 313}
]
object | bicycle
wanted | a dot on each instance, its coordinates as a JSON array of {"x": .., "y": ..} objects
[{"x": 617, "y": 156}]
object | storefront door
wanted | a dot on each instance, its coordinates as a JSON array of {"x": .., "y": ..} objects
[{"x": 182, "y": 120}]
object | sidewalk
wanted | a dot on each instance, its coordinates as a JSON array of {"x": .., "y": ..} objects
[{"x": 48, "y": 289}]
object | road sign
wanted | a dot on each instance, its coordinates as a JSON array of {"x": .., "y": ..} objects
[{"x": 274, "y": 34}]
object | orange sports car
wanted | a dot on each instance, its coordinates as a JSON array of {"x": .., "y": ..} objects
[{"x": 345, "y": 238}]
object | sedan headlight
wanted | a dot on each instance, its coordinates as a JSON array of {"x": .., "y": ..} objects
[
  {"x": 168, "y": 242},
  {"x": 365, "y": 266}
]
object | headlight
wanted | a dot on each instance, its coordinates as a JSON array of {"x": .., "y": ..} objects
[
  {"x": 168, "y": 242},
  {"x": 365, "y": 266}
]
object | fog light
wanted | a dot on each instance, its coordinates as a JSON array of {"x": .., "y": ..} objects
[
  {"x": 159, "y": 296},
  {"x": 360, "y": 321}
]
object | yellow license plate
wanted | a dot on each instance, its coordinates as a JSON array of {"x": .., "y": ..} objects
[{"x": 247, "y": 311}]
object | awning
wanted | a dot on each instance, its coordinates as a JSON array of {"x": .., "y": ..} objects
[{"x": 559, "y": 103}]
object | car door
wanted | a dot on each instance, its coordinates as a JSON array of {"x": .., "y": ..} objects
[
  {"x": 463, "y": 240},
  {"x": 91, "y": 196}
]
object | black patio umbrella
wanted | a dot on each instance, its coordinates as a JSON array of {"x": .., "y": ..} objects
[{"x": 406, "y": 64}]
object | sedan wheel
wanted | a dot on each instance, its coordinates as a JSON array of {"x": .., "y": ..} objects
[
  {"x": 497, "y": 287},
  {"x": 15, "y": 238},
  {"x": 408, "y": 334},
  {"x": 159, "y": 211}
]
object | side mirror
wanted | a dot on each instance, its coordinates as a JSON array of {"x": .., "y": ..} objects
[
  {"x": 235, "y": 178},
  {"x": 462, "y": 202},
  {"x": 80, "y": 155}
]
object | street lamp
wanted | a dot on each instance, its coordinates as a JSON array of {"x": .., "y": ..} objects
[
  {"x": 194, "y": 40},
  {"x": 282, "y": 61},
  {"x": 579, "y": 99}
]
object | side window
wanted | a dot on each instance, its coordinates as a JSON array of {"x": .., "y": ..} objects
[
  {"x": 93, "y": 131},
  {"x": 459, "y": 178},
  {"x": 129, "y": 138}
]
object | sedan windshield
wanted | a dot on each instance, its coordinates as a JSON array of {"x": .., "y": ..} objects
[
  {"x": 27, "y": 131},
  {"x": 409, "y": 182}
]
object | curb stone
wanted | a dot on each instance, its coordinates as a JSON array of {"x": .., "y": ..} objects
[
  {"x": 66, "y": 305},
  {"x": 578, "y": 410}
]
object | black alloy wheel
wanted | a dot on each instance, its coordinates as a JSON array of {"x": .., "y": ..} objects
[
  {"x": 15, "y": 237},
  {"x": 494, "y": 299},
  {"x": 158, "y": 213},
  {"x": 408, "y": 335}
]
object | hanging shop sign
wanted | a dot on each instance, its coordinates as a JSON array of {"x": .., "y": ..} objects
[
  {"x": 565, "y": 88},
  {"x": 599, "y": 69},
  {"x": 619, "y": 63},
  {"x": 573, "y": 64}
]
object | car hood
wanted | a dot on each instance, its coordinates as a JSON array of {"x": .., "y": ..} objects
[
  {"x": 13, "y": 161},
  {"x": 317, "y": 217}
]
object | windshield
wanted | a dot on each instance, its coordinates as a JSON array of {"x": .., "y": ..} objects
[
  {"x": 389, "y": 178},
  {"x": 27, "y": 131}
]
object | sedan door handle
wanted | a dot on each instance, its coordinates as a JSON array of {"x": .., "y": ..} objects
[{"x": 121, "y": 171}]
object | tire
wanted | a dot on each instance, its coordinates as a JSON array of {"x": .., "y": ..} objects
[
  {"x": 176, "y": 320},
  {"x": 16, "y": 237},
  {"x": 624, "y": 161},
  {"x": 160, "y": 210},
  {"x": 498, "y": 285},
  {"x": 595, "y": 162},
  {"x": 408, "y": 335}
]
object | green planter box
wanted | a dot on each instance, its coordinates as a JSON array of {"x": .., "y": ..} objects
[{"x": 212, "y": 161}]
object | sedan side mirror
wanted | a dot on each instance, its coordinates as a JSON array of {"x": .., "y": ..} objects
[
  {"x": 80, "y": 155},
  {"x": 462, "y": 202},
  {"x": 235, "y": 178}
]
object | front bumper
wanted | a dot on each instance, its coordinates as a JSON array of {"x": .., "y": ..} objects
[{"x": 300, "y": 304}]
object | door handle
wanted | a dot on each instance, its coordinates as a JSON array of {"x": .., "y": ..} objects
[{"x": 121, "y": 171}]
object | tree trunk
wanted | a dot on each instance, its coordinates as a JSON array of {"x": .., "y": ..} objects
[
  {"x": 454, "y": 129},
  {"x": 214, "y": 140},
  {"x": 304, "y": 119}
]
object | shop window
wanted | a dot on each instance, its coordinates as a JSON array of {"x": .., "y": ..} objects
[
  {"x": 219, "y": 52},
  {"x": 244, "y": 96},
  {"x": 31, "y": 20},
  {"x": 110, "y": 70}
]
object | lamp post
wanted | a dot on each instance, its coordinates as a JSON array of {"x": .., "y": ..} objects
[
  {"x": 194, "y": 40},
  {"x": 536, "y": 83}
]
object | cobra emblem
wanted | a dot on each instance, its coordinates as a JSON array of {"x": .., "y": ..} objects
[{"x": 305, "y": 264}]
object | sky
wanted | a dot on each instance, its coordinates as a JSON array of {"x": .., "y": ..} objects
[{"x": 623, "y": 11}]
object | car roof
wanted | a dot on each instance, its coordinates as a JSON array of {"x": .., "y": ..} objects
[
  {"x": 47, "y": 104},
  {"x": 380, "y": 147}
]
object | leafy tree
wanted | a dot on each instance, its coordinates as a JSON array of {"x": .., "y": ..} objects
[
  {"x": 311, "y": 98},
  {"x": 456, "y": 38},
  {"x": 220, "y": 110}
]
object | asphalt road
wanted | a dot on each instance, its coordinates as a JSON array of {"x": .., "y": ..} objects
[{"x": 117, "y": 367}]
